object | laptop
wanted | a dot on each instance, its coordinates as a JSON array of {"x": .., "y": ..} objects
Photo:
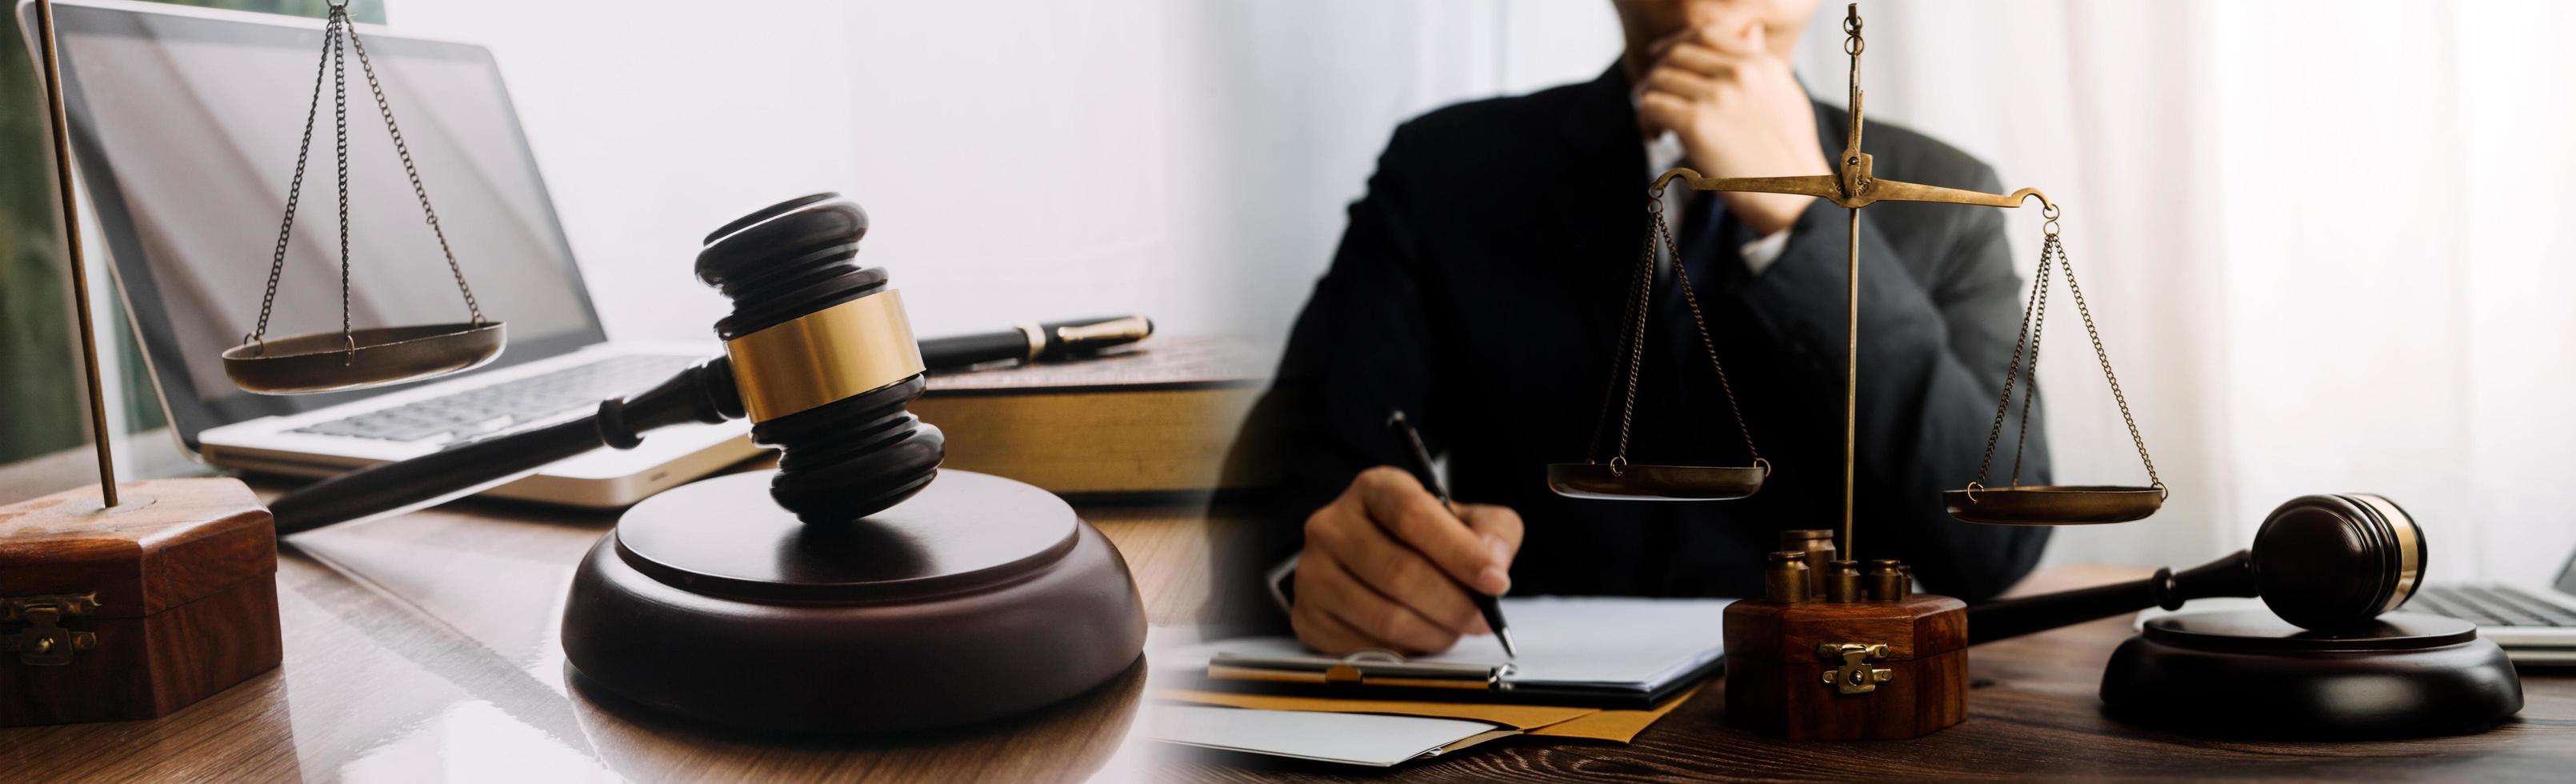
[
  {"x": 2535, "y": 623},
  {"x": 185, "y": 124}
]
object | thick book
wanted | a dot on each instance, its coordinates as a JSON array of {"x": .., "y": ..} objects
[{"x": 1152, "y": 418}]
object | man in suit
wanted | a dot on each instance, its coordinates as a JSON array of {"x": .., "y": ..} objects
[{"x": 1479, "y": 290}]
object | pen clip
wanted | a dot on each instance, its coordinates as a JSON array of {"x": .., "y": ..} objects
[{"x": 1369, "y": 667}]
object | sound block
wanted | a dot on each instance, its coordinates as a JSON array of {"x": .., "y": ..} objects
[
  {"x": 2249, "y": 674},
  {"x": 978, "y": 598}
]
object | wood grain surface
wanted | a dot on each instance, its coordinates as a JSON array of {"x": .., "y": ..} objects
[
  {"x": 2032, "y": 713},
  {"x": 422, "y": 647}
]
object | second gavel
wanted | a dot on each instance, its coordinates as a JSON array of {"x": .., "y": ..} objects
[{"x": 2323, "y": 562}]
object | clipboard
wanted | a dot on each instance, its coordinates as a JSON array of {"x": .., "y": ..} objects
[{"x": 1385, "y": 675}]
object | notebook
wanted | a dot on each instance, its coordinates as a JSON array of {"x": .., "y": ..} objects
[{"x": 1596, "y": 651}]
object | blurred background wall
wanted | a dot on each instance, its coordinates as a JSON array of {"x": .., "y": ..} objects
[{"x": 2328, "y": 243}]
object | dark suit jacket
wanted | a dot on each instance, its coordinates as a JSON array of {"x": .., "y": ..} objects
[{"x": 1479, "y": 288}]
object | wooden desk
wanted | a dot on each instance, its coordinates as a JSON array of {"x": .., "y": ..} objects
[
  {"x": 2032, "y": 713},
  {"x": 423, "y": 647}
]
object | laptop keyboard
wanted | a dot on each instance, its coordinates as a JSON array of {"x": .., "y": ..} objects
[
  {"x": 509, "y": 405},
  {"x": 2490, "y": 606}
]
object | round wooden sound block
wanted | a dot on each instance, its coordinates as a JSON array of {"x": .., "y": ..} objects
[
  {"x": 980, "y": 597},
  {"x": 2249, "y": 674}
]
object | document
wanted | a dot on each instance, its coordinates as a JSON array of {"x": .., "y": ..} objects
[{"x": 1610, "y": 644}]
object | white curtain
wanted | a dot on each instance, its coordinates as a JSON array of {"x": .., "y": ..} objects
[
  {"x": 1021, "y": 160},
  {"x": 2327, "y": 243},
  {"x": 2328, "y": 246}
]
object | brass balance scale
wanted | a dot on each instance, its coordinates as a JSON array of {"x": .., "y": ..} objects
[
  {"x": 356, "y": 358},
  {"x": 1830, "y": 652},
  {"x": 1825, "y": 654},
  {"x": 1854, "y": 188}
]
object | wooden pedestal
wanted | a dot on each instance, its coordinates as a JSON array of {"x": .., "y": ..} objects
[
  {"x": 136, "y": 611},
  {"x": 1912, "y": 668}
]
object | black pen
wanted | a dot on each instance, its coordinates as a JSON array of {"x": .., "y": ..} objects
[
  {"x": 1034, "y": 342},
  {"x": 1492, "y": 607}
]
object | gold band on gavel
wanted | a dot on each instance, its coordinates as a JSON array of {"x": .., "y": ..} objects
[{"x": 823, "y": 356}]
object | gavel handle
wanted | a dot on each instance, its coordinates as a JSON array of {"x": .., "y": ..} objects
[
  {"x": 703, "y": 393},
  {"x": 2229, "y": 576}
]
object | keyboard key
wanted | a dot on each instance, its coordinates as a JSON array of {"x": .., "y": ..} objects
[{"x": 499, "y": 408}]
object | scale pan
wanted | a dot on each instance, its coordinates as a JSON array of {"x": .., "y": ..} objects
[
  {"x": 322, "y": 361},
  {"x": 1654, "y": 482},
  {"x": 2055, "y": 505}
]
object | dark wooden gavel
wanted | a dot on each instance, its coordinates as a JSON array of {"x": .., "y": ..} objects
[
  {"x": 2323, "y": 562},
  {"x": 819, "y": 356}
]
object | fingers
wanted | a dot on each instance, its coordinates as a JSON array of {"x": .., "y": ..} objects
[
  {"x": 1499, "y": 526},
  {"x": 1734, "y": 34},
  {"x": 1659, "y": 111},
  {"x": 1697, "y": 60},
  {"x": 1403, "y": 575},
  {"x": 1349, "y": 615},
  {"x": 1322, "y": 632},
  {"x": 1400, "y": 506},
  {"x": 1679, "y": 82}
]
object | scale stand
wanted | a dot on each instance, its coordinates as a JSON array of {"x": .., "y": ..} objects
[{"x": 126, "y": 601}]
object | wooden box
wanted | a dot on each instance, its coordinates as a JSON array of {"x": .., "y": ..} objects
[
  {"x": 136, "y": 611},
  {"x": 1849, "y": 670}
]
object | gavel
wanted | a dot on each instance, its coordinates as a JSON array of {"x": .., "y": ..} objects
[
  {"x": 2322, "y": 562},
  {"x": 818, "y": 354}
]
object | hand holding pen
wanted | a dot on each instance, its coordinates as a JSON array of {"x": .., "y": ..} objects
[{"x": 1388, "y": 565}]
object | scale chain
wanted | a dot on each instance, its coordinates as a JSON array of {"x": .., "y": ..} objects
[
  {"x": 1628, "y": 313},
  {"x": 2034, "y": 321},
  {"x": 340, "y": 116},
  {"x": 1637, "y": 341},
  {"x": 386, "y": 110},
  {"x": 295, "y": 188},
  {"x": 1641, "y": 309},
  {"x": 2038, "y": 332},
  {"x": 337, "y": 25},
  {"x": 2107, "y": 374},
  {"x": 1682, "y": 277}
]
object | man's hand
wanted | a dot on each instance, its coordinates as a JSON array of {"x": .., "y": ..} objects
[
  {"x": 1738, "y": 111},
  {"x": 1383, "y": 565}
]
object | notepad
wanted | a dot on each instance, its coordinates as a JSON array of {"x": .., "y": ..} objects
[
  {"x": 1623, "y": 651},
  {"x": 1347, "y": 738}
]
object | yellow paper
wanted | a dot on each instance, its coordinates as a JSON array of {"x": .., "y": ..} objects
[
  {"x": 1517, "y": 716},
  {"x": 1619, "y": 726}
]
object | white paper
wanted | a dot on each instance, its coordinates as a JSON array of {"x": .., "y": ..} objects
[
  {"x": 1349, "y": 738},
  {"x": 1600, "y": 642}
]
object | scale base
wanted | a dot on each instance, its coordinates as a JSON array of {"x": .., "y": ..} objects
[
  {"x": 979, "y": 598},
  {"x": 2246, "y": 674}
]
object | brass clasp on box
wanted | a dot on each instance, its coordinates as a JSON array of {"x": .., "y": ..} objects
[
  {"x": 1855, "y": 676},
  {"x": 45, "y": 643}
]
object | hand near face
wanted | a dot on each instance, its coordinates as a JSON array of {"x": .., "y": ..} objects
[
  {"x": 1384, "y": 565},
  {"x": 1738, "y": 111}
]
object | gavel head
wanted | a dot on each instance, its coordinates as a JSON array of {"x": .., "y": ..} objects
[
  {"x": 2327, "y": 562},
  {"x": 823, "y": 358}
]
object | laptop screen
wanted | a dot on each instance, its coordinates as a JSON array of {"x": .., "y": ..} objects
[
  {"x": 186, "y": 125},
  {"x": 2567, "y": 577}
]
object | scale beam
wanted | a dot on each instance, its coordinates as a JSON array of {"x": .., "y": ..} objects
[{"x": 1871, "y": 190}]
